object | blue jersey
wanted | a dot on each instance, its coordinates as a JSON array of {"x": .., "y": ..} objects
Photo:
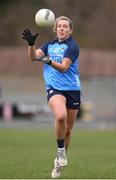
[{"x": 64, "y": 81}]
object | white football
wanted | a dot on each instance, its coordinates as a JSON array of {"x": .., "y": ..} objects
[{"x": 44, "y": 17}]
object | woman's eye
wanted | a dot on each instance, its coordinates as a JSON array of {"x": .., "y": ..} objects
[
  {"x": 65, "y": 26},
  {"x": 59, "y": 26}
]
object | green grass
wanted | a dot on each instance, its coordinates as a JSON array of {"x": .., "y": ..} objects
[{"x": 29, "y": 154}]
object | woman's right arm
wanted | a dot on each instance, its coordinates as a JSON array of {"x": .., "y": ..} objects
[{"x": 34, "y": 54}]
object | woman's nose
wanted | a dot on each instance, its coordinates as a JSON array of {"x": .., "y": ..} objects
[{"x": 61, "y": 28}]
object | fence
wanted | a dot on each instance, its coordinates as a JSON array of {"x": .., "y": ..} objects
[{"x": 92, "y": 62}]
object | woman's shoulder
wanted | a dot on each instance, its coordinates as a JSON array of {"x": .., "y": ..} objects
[{"x": 73, "y": 44}]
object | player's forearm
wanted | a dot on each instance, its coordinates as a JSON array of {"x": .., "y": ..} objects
[
  {"x": 32, "y": 53},
  {"x": 60, "y": 67}
]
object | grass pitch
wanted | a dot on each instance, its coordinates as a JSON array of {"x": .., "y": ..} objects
[{"x": 29, "y": 154}]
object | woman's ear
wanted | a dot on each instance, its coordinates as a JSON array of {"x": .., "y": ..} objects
[{"x": 70, "y": 31}]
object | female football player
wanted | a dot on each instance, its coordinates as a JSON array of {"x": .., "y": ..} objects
[{"x": 62, "y": 81}]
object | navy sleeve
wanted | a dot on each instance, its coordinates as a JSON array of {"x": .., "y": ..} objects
[
  {"x": 72, "y": 52},
  {"x": 44, "y": 48}
]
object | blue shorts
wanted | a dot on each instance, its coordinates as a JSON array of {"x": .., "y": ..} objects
[{"x": 72, "y": 97}]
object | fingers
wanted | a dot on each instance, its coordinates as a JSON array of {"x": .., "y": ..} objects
[
  {"x": 24, "y": 38},
  {"x": 36, "y": 35},
  {"x": 24, "y": 35},
  {"x": 26, "y": 31},
  {"x": 29, "y": 37}
]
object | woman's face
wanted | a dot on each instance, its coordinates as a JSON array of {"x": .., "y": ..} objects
[{"x": 63, "y": 30}]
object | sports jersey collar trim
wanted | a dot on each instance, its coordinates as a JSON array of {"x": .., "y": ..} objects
[{"x": 60, "y": 42}]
